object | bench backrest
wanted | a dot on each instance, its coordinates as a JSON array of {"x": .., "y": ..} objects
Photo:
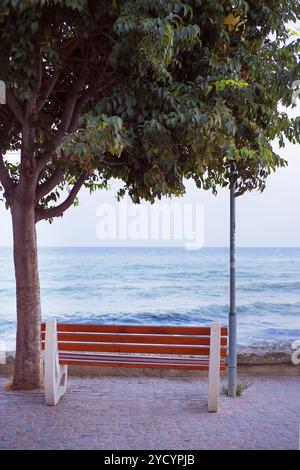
[{"x": 177, "y": 340}]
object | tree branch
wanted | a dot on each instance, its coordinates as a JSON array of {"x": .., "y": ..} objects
[
  {"x": 48, "y": 90},
  {"x": 15, "y": 106},
  {"x": 39, "y": 72},
  {"x": 78, "y": 109},
  {"x": 66, "y": 50},
  {"x": 117, "y": 162},
  {"x": 28, "y": 161},
  {"x": 64, "y": 125},
  {"x": 48, "y": 186},
  {"x": 58, "y": 211}
]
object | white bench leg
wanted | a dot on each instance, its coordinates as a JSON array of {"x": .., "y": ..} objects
[
  {"x": 55, "y": 375},
  {"x": 214, "y": 368}
]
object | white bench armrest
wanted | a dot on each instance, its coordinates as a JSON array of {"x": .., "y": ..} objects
[{"x": 55, "y": 375}]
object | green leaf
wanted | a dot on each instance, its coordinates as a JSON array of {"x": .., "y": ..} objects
[{"x": 34, "y": 26}]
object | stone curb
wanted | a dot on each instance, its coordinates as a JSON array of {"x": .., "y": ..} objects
[{"x": 271, "y": 363}]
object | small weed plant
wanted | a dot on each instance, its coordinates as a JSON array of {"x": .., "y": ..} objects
[{"x": 240, "y": 388}]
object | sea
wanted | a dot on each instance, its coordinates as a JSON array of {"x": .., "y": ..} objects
[{"x": 163, "y": 286}]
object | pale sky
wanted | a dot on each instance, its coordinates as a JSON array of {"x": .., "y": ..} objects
[{"x": 268, "y": 219}]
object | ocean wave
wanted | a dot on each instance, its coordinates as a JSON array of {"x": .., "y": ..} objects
[{"x": 287, "y": 286}]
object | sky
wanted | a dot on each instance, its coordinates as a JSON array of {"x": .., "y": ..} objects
[{"x": 268, "y": 219}]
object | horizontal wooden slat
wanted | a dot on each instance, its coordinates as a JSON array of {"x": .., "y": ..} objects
[
  {"x": 175, "y": 330},
  {"x": 100, "y": 349},
  {"x": 137, "y": 348},
  {"x": 135, "y": 338},
  {"x": 134, "y": 365},
  {"x": 134, "y": 361},
  {"x": 135, "y": 358}
]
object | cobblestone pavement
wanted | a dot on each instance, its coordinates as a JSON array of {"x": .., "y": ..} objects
[{"x": 152, "y": 413}]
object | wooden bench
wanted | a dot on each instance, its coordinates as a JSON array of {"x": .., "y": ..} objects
[{"x": 162, "y": 347}]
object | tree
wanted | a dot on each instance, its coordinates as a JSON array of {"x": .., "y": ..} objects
[{"x": 152, "y": 92}]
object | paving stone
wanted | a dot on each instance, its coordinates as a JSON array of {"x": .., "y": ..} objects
[{"x": 152, "y": 413}]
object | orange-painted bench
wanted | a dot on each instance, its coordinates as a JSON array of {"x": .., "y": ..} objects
[{"x": 162, "y": 347}]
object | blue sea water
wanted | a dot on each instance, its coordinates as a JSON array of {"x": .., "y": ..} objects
[{"x": 168, "y": 286}]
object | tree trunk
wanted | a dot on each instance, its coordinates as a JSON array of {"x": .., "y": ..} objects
[{"x": 27, "y": 374}]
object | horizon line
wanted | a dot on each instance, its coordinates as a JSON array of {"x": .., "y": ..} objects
[{"x": 158, "y": 246}]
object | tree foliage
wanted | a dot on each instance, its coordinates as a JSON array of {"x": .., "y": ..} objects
[{"x": 152, "y": 92}]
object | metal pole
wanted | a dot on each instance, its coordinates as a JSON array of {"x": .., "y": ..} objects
[{"x": 232, "y": 359}]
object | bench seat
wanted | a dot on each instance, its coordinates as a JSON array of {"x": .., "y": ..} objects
[{"x": 136, "y": 361}]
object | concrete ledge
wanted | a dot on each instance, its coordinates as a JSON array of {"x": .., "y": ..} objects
[
  {"x": 251, "y": 369},
  {"x": 8, "y": 367},
  {"x": 289, "y": 370},
  {"x": 256, "y": 365}
]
